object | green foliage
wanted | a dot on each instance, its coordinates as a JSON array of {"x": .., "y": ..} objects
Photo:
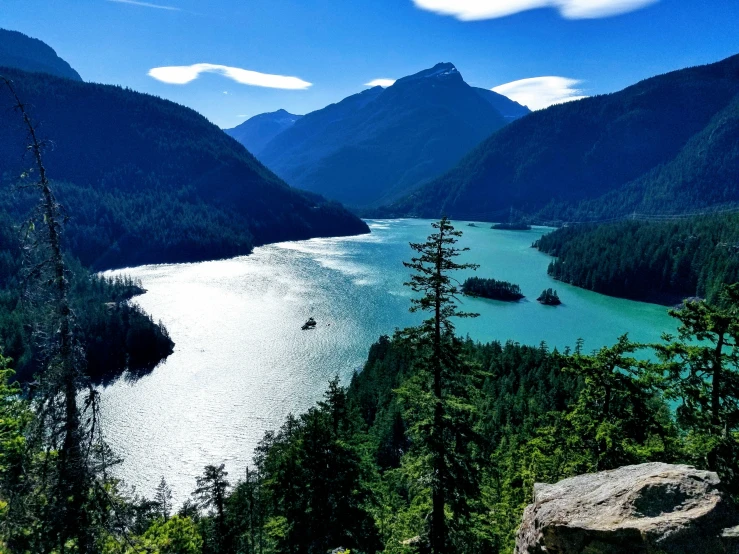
[
  {"x": 618, "y": 418},
  {"x": 656, "y": 261},
  {"x": 210, "y": 494},
  {"x": 15, "y": 418},
  {"x": 490, "y": 288},
  {"x": 437, "y": 399},
  {"x": 176, "y": 535},
  {"x": 163, "y": 499},
  {"x": 314, "y": 481},
  {"x": 700, "y": 371}
]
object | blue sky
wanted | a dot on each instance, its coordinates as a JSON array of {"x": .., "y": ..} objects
[{"x": 339, "y": 45}]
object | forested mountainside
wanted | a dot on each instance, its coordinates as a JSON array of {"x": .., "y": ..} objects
[
  {"x": 116, "y": 336},
  {"x": 150, "y": 180},
  {"x": 508, "y": 108},
  {"x": 659, "y": 261},
  {"x": 703, "y": 176},
  {"x": 666, "y": 144},
  {"x": 256, "y": 132},
  {"x": 377, "y": 145},
  {"x": 30, "y": 54}
]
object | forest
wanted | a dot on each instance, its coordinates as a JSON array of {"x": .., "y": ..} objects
[
  {"x": 664, "y": 145},
  {"x": 434, "y": 446},
  {"x": 490, "y": 288},
  {"x": 117, "y": 336},
  {"x": 657, "y": 261},
  {"x": 150, "y": 181}
]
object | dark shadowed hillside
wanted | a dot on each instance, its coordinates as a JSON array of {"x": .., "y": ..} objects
[
  {"x": 378, "y": 145},
  {"x": 664, "y": 144},
  {"x": 30, "y": 54},
  {"x": 147, "y": 180}
]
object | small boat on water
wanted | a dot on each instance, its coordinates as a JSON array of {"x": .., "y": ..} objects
[{"x": 310, "y": 324}]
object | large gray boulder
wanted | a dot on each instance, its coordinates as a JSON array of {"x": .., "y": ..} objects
[{"x": 647, "y": 508}]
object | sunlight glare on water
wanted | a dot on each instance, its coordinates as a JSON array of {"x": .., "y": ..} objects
[{"x": 242, "y": 362}]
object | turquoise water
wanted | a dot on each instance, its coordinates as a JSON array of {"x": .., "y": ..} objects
[{"x": 242, "y": 363}]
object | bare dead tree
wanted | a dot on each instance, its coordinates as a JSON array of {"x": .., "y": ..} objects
[{"x": 68, "y": 440}]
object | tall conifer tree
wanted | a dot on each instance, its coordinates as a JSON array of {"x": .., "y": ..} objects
[{"x": 444, "y": 437}]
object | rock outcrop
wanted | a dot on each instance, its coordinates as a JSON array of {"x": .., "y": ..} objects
[{"x": 647, "y": 508}]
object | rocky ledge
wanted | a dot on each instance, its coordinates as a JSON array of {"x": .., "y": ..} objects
[{"x": 647, "y": 508}]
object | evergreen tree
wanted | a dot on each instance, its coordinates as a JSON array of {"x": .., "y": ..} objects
[
  {"x": 71, "y": 494},
  {"x": 245, "y": 515},
  {"x": 701, "y": 370},
  {"x": 163, "y": 499},
  {"x": 211, "y": 495},
  {"x": 617, "y": 419},
  {"x": 444, "y": 436},
  {"x": 313, "y": 475}
]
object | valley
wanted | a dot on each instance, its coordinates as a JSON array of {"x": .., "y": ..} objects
[
  {"x": 276, "y": 280},
  {"x": 224, "y": 391}
]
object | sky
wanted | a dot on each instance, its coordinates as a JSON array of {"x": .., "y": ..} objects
[{"x": 232, "y": 59}]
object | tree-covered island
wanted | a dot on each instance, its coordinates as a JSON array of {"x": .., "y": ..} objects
[
  {"x": 491, "y": 288},
  {"x": 549, "y": 297}
]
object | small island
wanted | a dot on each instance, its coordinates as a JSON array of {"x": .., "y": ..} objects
[
  {"x": 490, "y": 288},
  {"x": 517, "y": 226},
  {"x": 549, "y": 297}
]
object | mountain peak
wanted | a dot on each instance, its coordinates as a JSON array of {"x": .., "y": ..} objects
[{"x": 441, "y": 71}]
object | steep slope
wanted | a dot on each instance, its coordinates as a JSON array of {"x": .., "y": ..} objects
[
  {"x": 375, "y": 146},
  {"x": 147, "y": 180},
  {"x": 583, "y": 150},
  {"x": 30, "y": 54},
  {"x": 705, "y": 174},
  {"x": 257, "y": 131},
  {"x": 508, "y": 108}
]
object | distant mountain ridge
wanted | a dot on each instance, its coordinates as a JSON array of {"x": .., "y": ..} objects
[
  {"x": 257, "y": 131},
  {"x": 149, "y": 181},
  {"x": 29, "y": 54},
  {"x": 668, "y": 144},
  {"x": 377, "y": 145}
]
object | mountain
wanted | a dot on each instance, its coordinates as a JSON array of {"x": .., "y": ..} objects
[
  {"x": 257, "y": 131},
  {"x": 30, "y": 54},
  {"x": 667, "y": 144},
  {"x": 379, "y": 144},
  {"x": 505, "y": 106},
  {"x": 146, "y": 180}
]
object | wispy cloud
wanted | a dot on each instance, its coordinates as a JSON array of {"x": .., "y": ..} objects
[
  {"x": 380, "y": 83},
  {"x": 470, "y": 10},
  {"x": 146, "y": 5},
  {"x": 183, "y": 74},
  {"x": 541, "y": 92}
]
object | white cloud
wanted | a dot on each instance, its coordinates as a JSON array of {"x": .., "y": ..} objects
[
  {"x": 541, "y": 92},
  {"x": 146, "y": 5},
  {"x": 380, "y": 83},
  {"x": 470, "y": 10},
  {"x": 183, "y": 74}
]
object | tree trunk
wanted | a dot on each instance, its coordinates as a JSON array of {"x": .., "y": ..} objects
[
  {"x": 438, "y": 519},
  {"x": 716, "y": 384}
]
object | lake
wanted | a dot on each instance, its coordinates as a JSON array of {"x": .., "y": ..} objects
[{"x": 242, "y": 363}]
